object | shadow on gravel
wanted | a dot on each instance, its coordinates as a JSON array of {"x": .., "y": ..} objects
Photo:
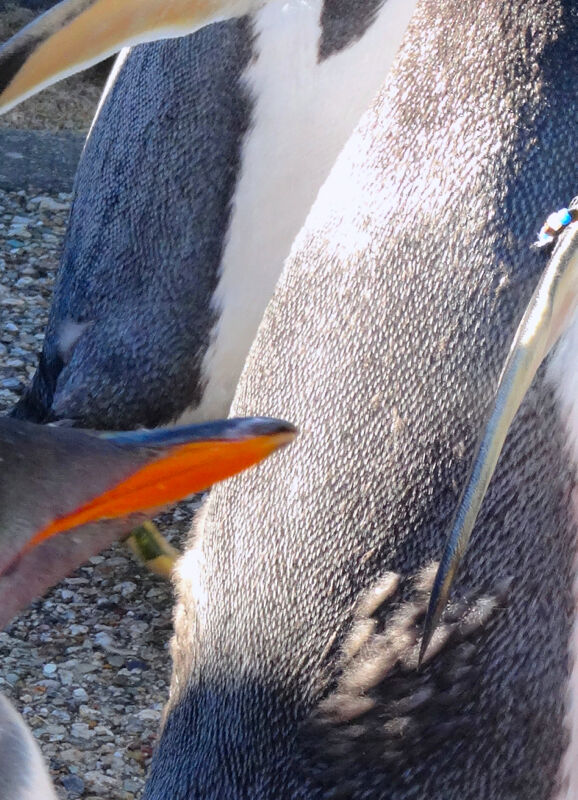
[{"x": 38, "y": 159}]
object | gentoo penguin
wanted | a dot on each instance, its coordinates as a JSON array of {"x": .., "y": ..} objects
[
  {"x": 203, "y": 162},
  {"x": 66, "y": 494},
  {"x": 182, "y": 218},
  {"x": 300, "y": 607}
]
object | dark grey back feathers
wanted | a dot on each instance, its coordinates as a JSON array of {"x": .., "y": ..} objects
[{"x": 146, "y": 234}]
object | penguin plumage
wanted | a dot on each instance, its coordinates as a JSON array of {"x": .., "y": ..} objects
[
  {"x": 301, "y": 602},
  {"x": 387, "y": 333},
  {"x": 201, "y": 166}
]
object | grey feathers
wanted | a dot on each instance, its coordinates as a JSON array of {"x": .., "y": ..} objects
[{"x": 383, "y": 343}]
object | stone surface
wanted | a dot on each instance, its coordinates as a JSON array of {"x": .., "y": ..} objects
[{"x": 39, "y": 159}]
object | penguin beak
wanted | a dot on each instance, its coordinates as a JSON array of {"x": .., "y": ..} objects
[
  {"x": 67, "y": 494},
  {"x": 76, "y": 34}
]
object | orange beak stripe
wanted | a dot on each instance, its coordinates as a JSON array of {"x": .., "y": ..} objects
[{"x": 186, "y": 469}]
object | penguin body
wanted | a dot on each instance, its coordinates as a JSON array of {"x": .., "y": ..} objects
[
  {"x": 298, "y": 622},
  {"x": 205, "y": 157}
]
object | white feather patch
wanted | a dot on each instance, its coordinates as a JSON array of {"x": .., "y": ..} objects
[
  {"x": 28, "y": 773},
  {"x": 304, "y": 112}
]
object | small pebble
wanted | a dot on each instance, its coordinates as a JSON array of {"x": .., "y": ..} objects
[
  {"x": 127, "y": 588},
  {"x": 81, "y": 730},
  {"x": 134, "y": 664},
  {"x": 103, "y": 639},
  {"x": 73, "y": 785},
  {"x": 78, "y": 630}
]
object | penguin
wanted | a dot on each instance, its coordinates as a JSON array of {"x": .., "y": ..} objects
[
  {"x": 203, "y": 161},
  {"x": 394, "y": 316},
  {"x": 301, "y": 603},
  {"x": 550, "y": 311},
  {"x": 66, "y": 494},
  {"x": 181, "y": 217}
]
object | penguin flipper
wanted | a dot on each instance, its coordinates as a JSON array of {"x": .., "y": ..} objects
[{"x": 549, "y": 311}]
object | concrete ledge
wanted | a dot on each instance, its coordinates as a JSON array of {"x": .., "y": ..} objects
[
  {"x": 31, "y": 5},
  {"x": 38, "y": 159}
]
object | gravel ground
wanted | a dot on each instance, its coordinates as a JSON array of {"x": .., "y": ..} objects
[
  {"x": 87, "y": 666},
  {"x": 67, "y": 106}
]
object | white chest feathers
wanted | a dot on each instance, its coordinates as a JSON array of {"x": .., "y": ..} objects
[{"x": 304, "y": 109}]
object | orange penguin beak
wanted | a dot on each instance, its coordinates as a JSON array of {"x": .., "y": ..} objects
[
  {"x": 66, "y": 494},
  {"x": 76, "y": 34},
  {"x": 182, "y": 469}
]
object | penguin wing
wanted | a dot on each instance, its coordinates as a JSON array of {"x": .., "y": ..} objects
[{"x": 152, "y": 207}]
